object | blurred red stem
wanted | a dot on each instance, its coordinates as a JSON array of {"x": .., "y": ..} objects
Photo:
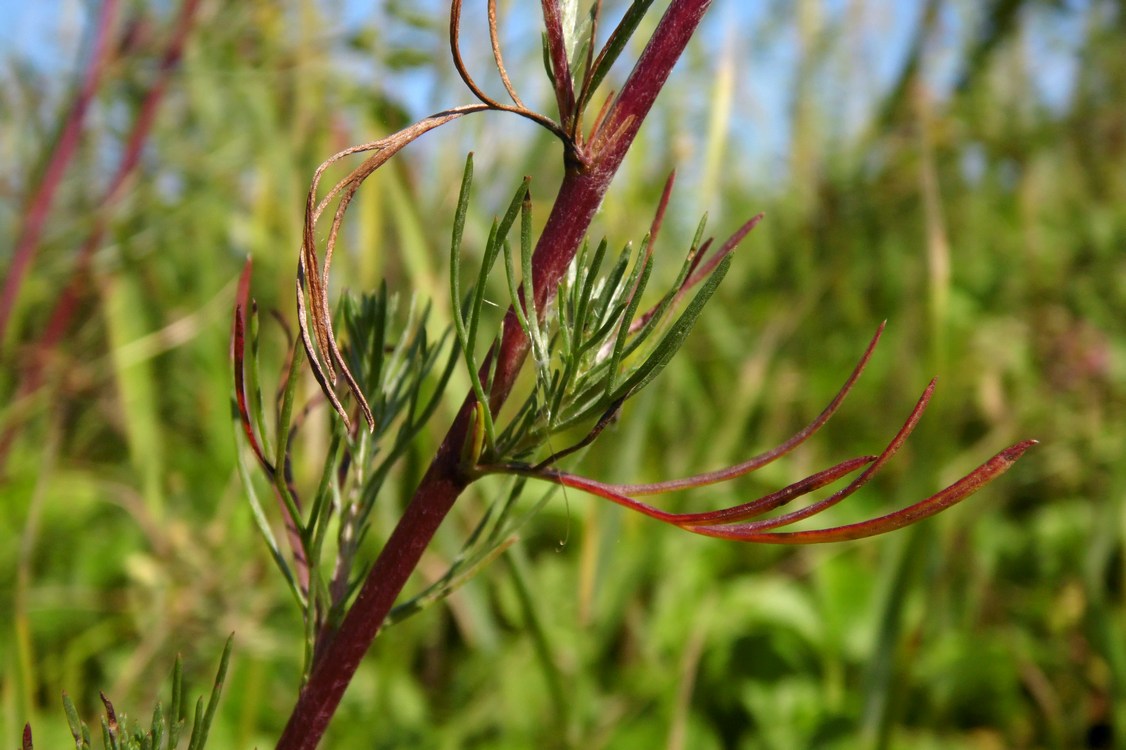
[
  {"x": 35, "y": 214},
  {"x": 67, "y": 303}
]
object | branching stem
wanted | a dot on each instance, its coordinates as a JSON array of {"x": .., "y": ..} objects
[{"x": 579, "y": 196}]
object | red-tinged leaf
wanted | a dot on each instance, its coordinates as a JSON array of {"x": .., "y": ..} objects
[
  {"x": 688, "y": 520},
  {"x": 662, "y": 206},
  {"x": 934, "y": 504},
  {"x": 27, "y": 744},
  {"x": 762, "y": 459},
  {"x": 609, "y": 492},
  {"x": 754, "y": 527},
  {"x": 705, "y": 269},
  {"x": 699, "y": 270},
  {"x": 111, "y": 715},
  {"x": 779, "y": 498},
  {"x": 238, "y": 356},
  {"x": 732, "y": 523},
  {"x": 650, "y": 242},
  {"x": 694, "y": 255}
]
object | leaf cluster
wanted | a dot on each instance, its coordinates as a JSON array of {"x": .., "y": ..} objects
[
  {"x": 404, "y": 373},
  {"x": 592, "y": 349},
  {"x": 164, "y": 731}
]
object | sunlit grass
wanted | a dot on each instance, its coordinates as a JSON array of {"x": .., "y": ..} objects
[{"x": 125, "y": 537}]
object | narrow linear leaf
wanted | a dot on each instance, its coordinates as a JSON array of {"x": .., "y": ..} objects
[
  {"x": 955, "y": 493},
  {"x": 213, "y": 703},
  {"x": 539, "y": 346},
  {"x": 194, "y": 742},
  {"x": 675, "y": 337},
  {"x": 176, "y": 706},
  {"x": 76, "y": 725},
  {"x": 263, "y": 524},
  {"x": 460, "y": 325},
  {"x": 586, "y": 274},
  {"x": 157, "y": 731},
  {"x": 437, "y": 593},
  {"x": 637, "y": 285},
  {"x": 611, "y": 289}
]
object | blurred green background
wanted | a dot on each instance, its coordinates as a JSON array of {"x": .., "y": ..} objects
[{"x": 959, "y": 170}]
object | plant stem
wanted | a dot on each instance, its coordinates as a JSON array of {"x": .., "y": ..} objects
[
  {"x": 67, "y": 302},
  {"x": 580, "y": 194},
  {"x": 35, "y": 213}
]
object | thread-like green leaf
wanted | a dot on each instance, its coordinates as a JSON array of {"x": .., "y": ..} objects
[
  {"x": 201, "y": 725},
  {"x": 591, "y": 275},
  {"x": 455, "y": 251},
  {"x": 76, "y": 724},
  {"x": 176, "y": 707},
  {"x": 324, "y": 501},
  {"x": 673, "y": 340},
  {"x": 611, "y": 289},
  {"x": 657, "y": 314},
  {"x": 253, "y": 379},
  {"x": 195, "y": 738},
  {"x": 514, "y": 294},
  {"x": 260, "y": 520},
  {"x": 157, "y": 732},
  {"x": 475, "y": 554},
  {"x": 463, "y": 336},
  {"x": 637, "y": 286},
  {"x": 492, "y": 250},
  {"x": 447, "y": 586},
  {"x": 539, "y": 346}
]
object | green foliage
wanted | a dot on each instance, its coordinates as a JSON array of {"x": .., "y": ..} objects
[
  {"x": 404, "y": 377},
  {"x": 125, "y": 537},
  {"x": 165, "y": 729},
  {"x": 589, "y": 349}
]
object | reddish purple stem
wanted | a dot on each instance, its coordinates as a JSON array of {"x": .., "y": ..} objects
[
  {"x": 67, "y": 303},
  {"x": 580, "y": 194}
]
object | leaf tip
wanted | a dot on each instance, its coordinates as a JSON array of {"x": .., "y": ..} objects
[{"x": 1011, "y": 454}]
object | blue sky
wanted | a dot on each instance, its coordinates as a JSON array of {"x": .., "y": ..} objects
[{"x": 764, "y": 45}]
